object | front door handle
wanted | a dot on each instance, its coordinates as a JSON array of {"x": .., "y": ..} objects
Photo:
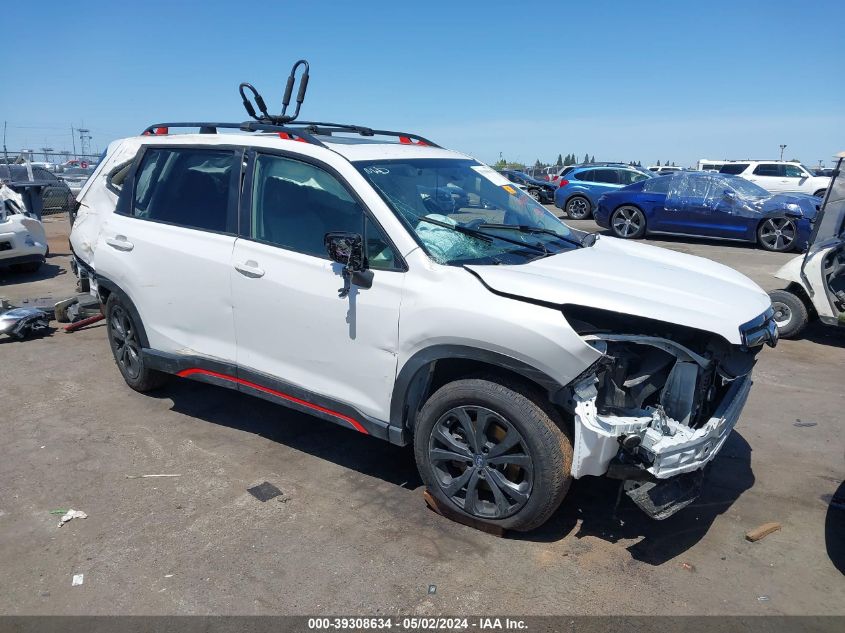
[
  {"x": 250, "y": 268},
  {"x": 120, "y": 243}
]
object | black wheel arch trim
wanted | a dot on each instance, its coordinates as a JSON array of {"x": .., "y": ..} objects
[
  {"x": 113, "y": 288},
  {"x": 415, "y": 376}
]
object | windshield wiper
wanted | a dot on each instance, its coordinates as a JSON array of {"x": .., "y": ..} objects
[
  {"x": 525, "y": 228},
  {"x": 481, "y": 235}
]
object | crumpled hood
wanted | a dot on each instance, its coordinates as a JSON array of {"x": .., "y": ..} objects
[
  {"x": 637, "y": 279},
  {"x": 805, "y": 203}
]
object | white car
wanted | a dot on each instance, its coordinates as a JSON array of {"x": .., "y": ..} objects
[
  {"x": 816, "y": 279},
  {"x": 318, "y": 266},
  {"x": 23, "y": 242},
  {"x": 779, "y": 176}
]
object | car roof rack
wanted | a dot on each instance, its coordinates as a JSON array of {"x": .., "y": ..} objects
[
  {"x": 306, "y": 131},
  {"x": 281, "y": 124}
]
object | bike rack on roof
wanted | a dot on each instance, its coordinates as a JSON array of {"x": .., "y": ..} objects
[{"x": 306, "y": 131}]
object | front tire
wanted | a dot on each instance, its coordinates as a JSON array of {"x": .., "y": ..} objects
[
  {"x": 628, "y": 223},
  {"x": 534, "y": 193},
  {"x": 791, "y": 314},
  {"x": 493, "y": 453},
  {"x": 578, "y": 208},
  {"x": 777, "y": 234},
  {"x": 125, "y": 343},
  {"x": 820, "y": 193}
]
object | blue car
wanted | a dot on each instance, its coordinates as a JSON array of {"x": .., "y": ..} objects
[
  {"x": 579, "y": 190},
  {"x": 710, "y": 205}
]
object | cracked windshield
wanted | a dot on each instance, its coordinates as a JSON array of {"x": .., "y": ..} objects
[{"x": 464, "y": 212}]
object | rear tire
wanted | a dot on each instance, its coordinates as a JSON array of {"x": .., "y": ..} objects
[
  {"x": 627, "y": 222},
  {"x": 125, "y": 343},
  {"x": 791, "y": 314},
  {"x": 534, "y": 193},
  {"x": 820, "y": 193},
  {"x": 512, "y": 461},
  {"x": 578, "y": 208}
]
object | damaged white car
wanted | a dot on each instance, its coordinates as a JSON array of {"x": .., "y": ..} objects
[
  {"x": 23, "y": 242},
  {"x": 409, "y": 292}
]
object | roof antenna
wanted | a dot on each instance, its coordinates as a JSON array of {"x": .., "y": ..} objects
[{"x": 284, "y": 117}]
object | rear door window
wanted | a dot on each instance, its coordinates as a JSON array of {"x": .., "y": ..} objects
[
  {"x": 768, "y": 169},
  {"x": 607, "y": 176},
  {"x": 586, "y": 176},
  {"x": 186, "y": 187},
  {"x": 734, "y": 169}
]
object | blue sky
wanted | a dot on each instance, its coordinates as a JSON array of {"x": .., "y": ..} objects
[{"x": 620, "y": 80}]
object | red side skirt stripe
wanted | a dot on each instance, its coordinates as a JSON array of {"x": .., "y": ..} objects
[{"x": 187, "y": 373}]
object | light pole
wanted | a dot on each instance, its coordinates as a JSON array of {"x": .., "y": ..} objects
[{"x": 782, "y": 147}]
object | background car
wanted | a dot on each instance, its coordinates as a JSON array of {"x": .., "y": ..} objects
[
  {"x": 76, "y": 177},
  {"x": 664, "y": 169},
  {"x": 578, "y": 193},
  {"x": 23, "y": 243},
  {"x": 779, "y": 176},
  {"x": 44, "y": 189},
  {"x": 540, "y": 190},
  {"x": 710, "y": 205}
]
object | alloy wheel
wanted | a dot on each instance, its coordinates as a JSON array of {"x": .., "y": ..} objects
[
  {"x": 534, "y": 194},
  {"x": 481, "y": 462},
  {"x": 578, "y": 208},
  {"x": 627, "y": 222},
  {"x": 127, "y": 350},
  {"x": 777, "y": 234}
]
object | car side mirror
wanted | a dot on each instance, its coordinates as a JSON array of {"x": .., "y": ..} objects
[{"x": 348, "y": 249}]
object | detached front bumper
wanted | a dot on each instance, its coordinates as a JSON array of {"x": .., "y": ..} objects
[{"x": 662, "y": 468}]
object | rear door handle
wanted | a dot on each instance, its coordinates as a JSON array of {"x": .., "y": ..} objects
[
  {"x": 120, "y": 243},
  {"x": 250, "y": 268}
]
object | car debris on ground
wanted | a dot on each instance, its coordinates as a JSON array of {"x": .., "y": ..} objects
[
  {"x": 72, "y": 514},
  {"x": 21, "y": 323}
]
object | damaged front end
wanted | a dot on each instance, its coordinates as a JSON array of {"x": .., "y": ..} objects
[{"x": 659, "y": 404}]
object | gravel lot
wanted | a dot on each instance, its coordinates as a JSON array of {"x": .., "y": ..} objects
[{"x": 351, "y": 533}]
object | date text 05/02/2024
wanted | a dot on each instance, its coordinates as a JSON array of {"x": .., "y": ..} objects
[{"x": 417, "y": 623}]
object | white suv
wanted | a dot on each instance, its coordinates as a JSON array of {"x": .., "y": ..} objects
[
  {"x": 779, "y": 176},
  {"x": 408, "y": 292}
]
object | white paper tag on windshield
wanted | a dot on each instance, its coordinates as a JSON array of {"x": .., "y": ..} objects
[{"x": 492, "y": 175}]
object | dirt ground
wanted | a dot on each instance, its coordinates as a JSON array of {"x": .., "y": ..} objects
[{"x": 351, "y": 533}]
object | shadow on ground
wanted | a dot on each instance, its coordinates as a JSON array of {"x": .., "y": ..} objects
[
  {"x": 47, "y": 270},
  {"x": 303, "y": 432},
  {"x": 588, "y": 510},
  {"x": 831, "y": 335}
]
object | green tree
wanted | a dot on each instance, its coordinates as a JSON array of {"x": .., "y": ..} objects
[
  {"x": 500, "y": 164},
  {"x": 592, "y": 159},
  {"x": 559, "y": 162},
  {"x": 586, "y": 158},
  {"x": 639, "y": 164},
  {"x": 658, "y": 163}
]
